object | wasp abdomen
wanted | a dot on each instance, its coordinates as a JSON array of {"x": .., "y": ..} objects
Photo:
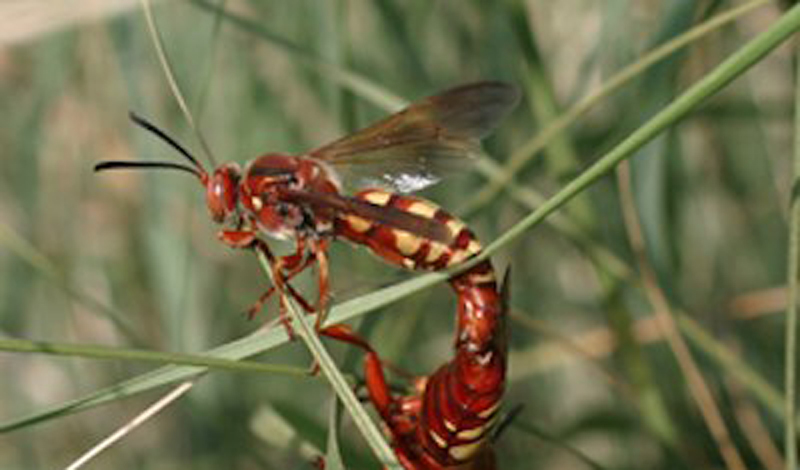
[{"x": 409, "y": 248}]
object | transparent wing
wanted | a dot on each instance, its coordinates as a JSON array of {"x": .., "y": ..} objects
[{"x": 413, "y": 148}]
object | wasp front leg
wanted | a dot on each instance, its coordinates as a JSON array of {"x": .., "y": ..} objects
[
  {"x": 307, "y": 252},
  {"x": 283, "y": 269},
  {"x": 286, "y": 267}
]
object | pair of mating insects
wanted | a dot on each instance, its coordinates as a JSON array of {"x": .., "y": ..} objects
[{"x": 447, "y": 421}]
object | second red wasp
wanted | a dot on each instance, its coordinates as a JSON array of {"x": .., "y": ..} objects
[{"x": 446, "y": 422}]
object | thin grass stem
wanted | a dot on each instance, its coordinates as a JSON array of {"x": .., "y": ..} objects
[
  {"x": 143, "y": 355},
  {"x": 166, "y": 66},
  {"x": 335, "y": 377},
  {"x": 137, "y": 421},
  {"x": 790, "y": 374},
  {"x": 501, "y": 180}
]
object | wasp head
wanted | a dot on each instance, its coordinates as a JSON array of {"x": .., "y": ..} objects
[{"x": 222, "y": 192}]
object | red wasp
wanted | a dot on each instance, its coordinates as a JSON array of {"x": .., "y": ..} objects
[{"x": 298, "y": 197}]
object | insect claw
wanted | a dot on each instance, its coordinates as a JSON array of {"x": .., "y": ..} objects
[
  {"x": 283, "y": 316},
  {"x": 251, "y": 312},
  {"x": 287, "y": 325},
  {"x": 256, "y": 307},
  {"x": 313, "y": 371}
]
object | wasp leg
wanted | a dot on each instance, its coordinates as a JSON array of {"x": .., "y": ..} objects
[
  {"x": 319, "y": 252},
  {"x": 283, "y": 269},
  {"x": 238, "y": 238},
  {"x": 295, "y": 262},
  {"x": 379, "y": 393},
  {"x": 287, "y": 276},
  {"x": 256, "y": 307}
]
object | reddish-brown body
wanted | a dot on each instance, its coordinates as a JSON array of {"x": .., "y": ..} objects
[
  {"x": 446, "y": 422},
  {"x": 265, "y": 188}
]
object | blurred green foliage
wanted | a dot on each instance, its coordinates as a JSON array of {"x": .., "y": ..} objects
[{"x": 131, "y": 259}]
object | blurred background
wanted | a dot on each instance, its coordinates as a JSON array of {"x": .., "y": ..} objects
[{"x": 130, "y": 259}]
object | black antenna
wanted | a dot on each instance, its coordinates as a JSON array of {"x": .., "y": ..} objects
[
  {"x": 196, "y": 168},
  {"x": 120, "y": 164},
  {"x": 145, "y": 124}
]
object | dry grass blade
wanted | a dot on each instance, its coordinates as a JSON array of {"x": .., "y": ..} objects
[
  {"x": 665, "y": 318},
  {"x": 137, "y": 421},
  {"x": 754, "y": 429}
]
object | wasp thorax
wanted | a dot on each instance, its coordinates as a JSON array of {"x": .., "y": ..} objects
[{"x": 222, "y": 192}]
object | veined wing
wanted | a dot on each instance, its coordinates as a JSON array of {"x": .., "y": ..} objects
[
  {"x": 388, "y": 216},
  {"x": 413, "y": 148}
]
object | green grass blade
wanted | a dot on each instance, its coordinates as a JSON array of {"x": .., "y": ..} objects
[
  {"x": 790, "y": 374},
  {"x": 143, "y": 355},
  {"x": 345, "y": 393},
  {"x": 333, "y": 455},
  {"x": 247, "y": 346}
]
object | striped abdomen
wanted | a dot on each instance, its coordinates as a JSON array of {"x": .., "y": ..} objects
[
  {"x": 459, "y": 404},
  {"x": 462, "y": 398},
  {"x": 453, "y": 243}
]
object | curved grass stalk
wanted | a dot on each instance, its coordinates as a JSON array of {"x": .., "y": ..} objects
[
  {"x": 166, "y": 66},
  {"x": 248, "y": 346}
]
